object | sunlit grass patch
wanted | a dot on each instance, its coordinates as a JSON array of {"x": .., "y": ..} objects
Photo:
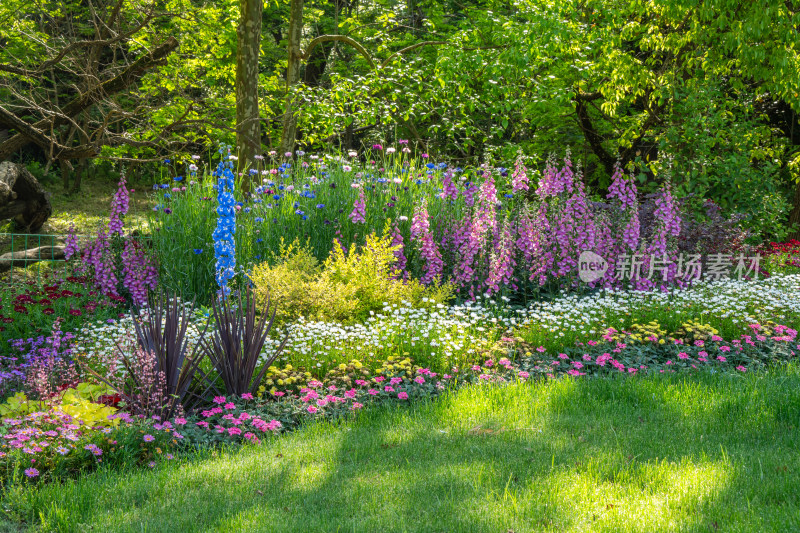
[{"x": 659, "y": 453}]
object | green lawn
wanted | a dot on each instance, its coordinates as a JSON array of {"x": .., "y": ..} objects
[{"x": 679, "y": 453}]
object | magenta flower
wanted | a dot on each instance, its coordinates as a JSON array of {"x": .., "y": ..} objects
[
  {"x": 359, "y": 213},
  {"x": 402, "y": 395},
  {"x": 519, "y": 178},
  {"x": 31, "y": 472},
  {"x": 149, "y": 438},
  {"x": 429, "y": 251}
]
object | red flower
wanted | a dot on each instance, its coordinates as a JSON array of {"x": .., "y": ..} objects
[
  {"x": 75, "y": 312},
  {"x": 109, "y": 399},
  {"x": 48, "y": 311},
  {"x": 20, "y": 309}
]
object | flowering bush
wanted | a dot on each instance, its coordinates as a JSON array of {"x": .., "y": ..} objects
[
  {"x": 54, "y": 445},
  {"x": 29, "y": 312},
  {"x": 121, "y": 267},
  {"x": 481, "y": 229},
  {"x": 782, "y": 257},
  {"x": 767, "y": 344}
]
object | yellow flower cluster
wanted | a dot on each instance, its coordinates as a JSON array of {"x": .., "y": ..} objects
[
  {"x": 345, "y": 373},
  {"x": 650, "y": 332},
  {"x": 395, "y": 364},
  {"x": 288, "y": 377},
  {"x": 694, "y": 330}
]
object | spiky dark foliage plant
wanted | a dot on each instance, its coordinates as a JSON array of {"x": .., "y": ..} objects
[
  {"x": 234, "y": 348},
  {"x": 161, "y": 348}
]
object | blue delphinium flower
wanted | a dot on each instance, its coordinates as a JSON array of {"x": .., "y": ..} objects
[
  {"x": 224, "y": 243},
  {"x": 198, "y": 251}
]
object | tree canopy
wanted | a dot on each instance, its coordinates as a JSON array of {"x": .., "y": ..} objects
[{"x": 705, "y": 92}]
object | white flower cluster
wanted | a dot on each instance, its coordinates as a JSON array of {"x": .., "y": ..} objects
[{"x": 453, "y": 334}]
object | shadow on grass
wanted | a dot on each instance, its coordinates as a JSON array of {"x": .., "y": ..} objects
[{"x": 701, "y": 453}]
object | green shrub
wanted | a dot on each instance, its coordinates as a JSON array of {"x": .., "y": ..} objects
[{"x": 345, "y": 288}]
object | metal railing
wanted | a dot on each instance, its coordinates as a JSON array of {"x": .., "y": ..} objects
[{"x": 29, "y": 257}]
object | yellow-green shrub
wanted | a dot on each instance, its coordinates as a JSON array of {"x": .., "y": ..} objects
[
  {"x": 78, "y": 402},
  {"x": 345, "y": 288},
  {"x": 19, "y": 405}
]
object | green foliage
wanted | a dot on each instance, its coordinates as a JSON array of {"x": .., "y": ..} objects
[
  {"x": 703, "y": 93},
  {"x": 20, "y": 405},
  {"x": 346, "y": 288},
  {"x": 79, "y": 402}
]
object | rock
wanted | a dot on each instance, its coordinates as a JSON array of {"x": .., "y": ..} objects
[{"x": 23, "y": 198}]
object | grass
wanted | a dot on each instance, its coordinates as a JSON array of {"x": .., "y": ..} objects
[
  {"x": 661, "y": 453},
  {"x": 88, "y": 209}
]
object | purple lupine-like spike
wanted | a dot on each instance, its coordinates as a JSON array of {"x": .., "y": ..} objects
[
  {"x": 359, "y": 213},
  {"x": 469, "y": 194},
  {"x": 71, "y": 247},
  {"x": 119, "y": 208},
  {"x": 449, "y": 189},
  {"x": 519, "y": 178},
  {"x": 502, "y": 263},
  {"x": 547, "y": 185},
  {"x": 139, "y": 274},
  {"x": 623, "y": 191},
  {"x": 429, "y": 251},
  {"x": 397, "y": 240}
]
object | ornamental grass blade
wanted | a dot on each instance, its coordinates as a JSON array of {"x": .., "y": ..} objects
[
  {"x": 161, "y": 335},
  {"x": 236, "y": 343}
]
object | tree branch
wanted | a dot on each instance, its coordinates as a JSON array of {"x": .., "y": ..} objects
[
  {"x": 338, "y": 38},
  {"x": 88, "y": 98},
  {"x": 57, "y": 151}
]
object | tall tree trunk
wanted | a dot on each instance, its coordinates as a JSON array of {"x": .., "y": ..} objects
[
  {"x": 65, "y": 168},
  {"x": 794, "y": 215},
  {"x": 248, "y": 125},
  {"x": 292, "y": 75}
]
